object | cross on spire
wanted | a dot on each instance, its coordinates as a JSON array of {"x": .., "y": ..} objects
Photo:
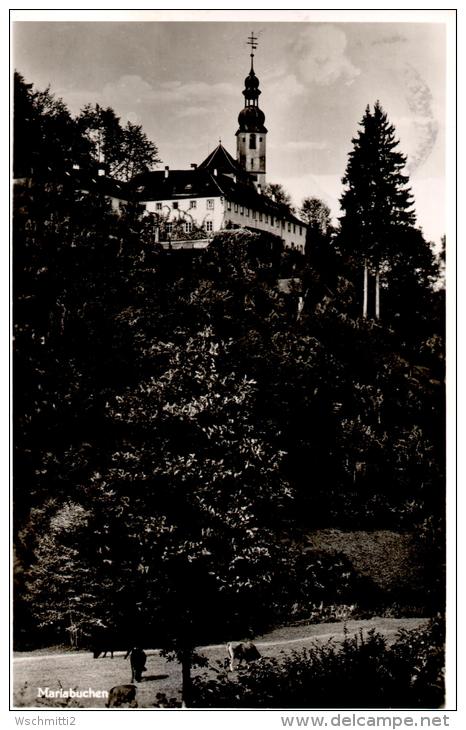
[{"x": 252, "y": 41}]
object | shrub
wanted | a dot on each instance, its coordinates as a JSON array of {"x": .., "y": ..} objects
[
  {"x": 362, "y": 672},
  {"x": 326, "y": 587}
]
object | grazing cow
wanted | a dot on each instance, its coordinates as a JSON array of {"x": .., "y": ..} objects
[
  {"x": 138, "y": 663},
  {"x": 245, "y": 651},
  {"x": 97, "y": 652},
  {"x": 122, "y": 694},
  {"x": 103, "y": 641}
]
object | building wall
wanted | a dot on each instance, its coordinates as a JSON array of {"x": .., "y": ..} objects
[
  {"x": 224, "y": 212},
  {"x": 200, "y": 211},
  {"x": 240, "y": 215}
]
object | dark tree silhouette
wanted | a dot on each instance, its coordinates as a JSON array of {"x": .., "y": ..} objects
[{"x": 377, "y": 202}]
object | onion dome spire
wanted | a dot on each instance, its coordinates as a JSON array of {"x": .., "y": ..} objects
[
  {"x": 251, "y": 82},
  {"x": 251, "y": 118}
]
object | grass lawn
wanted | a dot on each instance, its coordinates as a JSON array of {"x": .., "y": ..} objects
[{"x": 79, "y": 671}]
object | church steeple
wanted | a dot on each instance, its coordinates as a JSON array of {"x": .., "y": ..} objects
[{"x": 252, "y": 133}]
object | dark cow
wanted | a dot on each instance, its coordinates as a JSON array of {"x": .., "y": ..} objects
[
  {"x": 122, "y": 694},
  {"x": 138, "y": 663},
  {"x": 103, "y": 641},
  {"x": 245, "y": 651}
]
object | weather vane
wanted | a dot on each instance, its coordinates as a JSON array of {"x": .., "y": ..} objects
[{"x": 252, "y": 41}]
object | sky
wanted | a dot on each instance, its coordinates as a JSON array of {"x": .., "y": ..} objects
[{"x": 183, "y": 81}]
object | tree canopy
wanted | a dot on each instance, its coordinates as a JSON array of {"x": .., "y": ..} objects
[
  {"x": 125, "y": 151},
  {"x": 377, "y": 201},
  {"x": 377, "y": 227},
  {"x": 279, "y": 194}
]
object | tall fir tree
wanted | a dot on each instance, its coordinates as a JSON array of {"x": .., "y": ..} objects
[{"x": 377, "y": 201}]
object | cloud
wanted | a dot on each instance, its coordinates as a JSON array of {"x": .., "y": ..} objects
[
  {"x": 193, "y": 111},
  {"x": 302, "y": 145},
  {"x": 288, "y": 84},
  {"x": 132, "y": 89},
  {"x": 389, "y": 40},
  {"x": 320, "y": 57},
  {"x": 419, "y": 100}
]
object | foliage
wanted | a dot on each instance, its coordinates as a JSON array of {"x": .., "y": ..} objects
[
  {"x": 363, "y": 672},
  {"x": 376, "y": 200},
  {"x": 321, "y": 581},
  {"x": 377, "y": 231},
  {"x": 279, "y": 194},
  {"x": 316, "y": 214},
  {"x": 46, "y": 141},
  {"x": 185, "y": 508},
  {"x": 125, "y": 151}
]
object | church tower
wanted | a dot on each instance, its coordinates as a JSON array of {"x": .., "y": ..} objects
[{"x": 251, "y": 135}]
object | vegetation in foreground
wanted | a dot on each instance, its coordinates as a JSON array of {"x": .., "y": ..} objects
[
  {"x": 364, "y": 672},
  {"x": 161, "y": 685}
]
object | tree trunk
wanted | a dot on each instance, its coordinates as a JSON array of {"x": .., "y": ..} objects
[
  {"x": 186, "y": 677},
  {"x": 377, "y": 295},
  {"x": 364, "y": 304}
]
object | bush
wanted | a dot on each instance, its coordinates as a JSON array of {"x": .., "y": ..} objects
[
  {"x": 363, "y": 672},
  {"x": 326, "y": 587}
]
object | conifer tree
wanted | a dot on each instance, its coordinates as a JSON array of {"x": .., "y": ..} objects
[{"x": 377, "y": 202}]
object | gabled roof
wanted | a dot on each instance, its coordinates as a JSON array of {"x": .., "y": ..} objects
[
  {"x": 221, "y": 160},
  {"x": 175, "y": 185}
]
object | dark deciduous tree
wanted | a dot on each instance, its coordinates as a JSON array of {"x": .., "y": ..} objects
[
  {"x": 46, "y": 139},
  {"x": 279, "y": 194},
  {"x": 317, "y": 215},
  {"x": 124, "y": 151},
  {"x": 139, "y": 154},
  {"x": 181, "y": 520}
]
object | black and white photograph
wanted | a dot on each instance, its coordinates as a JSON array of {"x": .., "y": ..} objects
[{"x": 229, "y": 436}]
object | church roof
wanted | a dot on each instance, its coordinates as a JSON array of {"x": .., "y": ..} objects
[{"x": 221, "y": 160}]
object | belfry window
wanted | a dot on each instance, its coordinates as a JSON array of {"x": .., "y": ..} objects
[{"x": 252, "y": 142}]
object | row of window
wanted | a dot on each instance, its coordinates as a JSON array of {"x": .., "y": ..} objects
[
  {"x": 263, "y": 217},
  {"x": 210, "y": 204},
  {"x": 188, "y": 227}
]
